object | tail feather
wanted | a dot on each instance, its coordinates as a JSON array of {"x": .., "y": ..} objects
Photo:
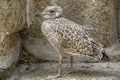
[{"x": 105, "y": 57}]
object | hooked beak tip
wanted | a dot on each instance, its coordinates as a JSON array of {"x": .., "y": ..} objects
[{"x": 37, "y": 15}]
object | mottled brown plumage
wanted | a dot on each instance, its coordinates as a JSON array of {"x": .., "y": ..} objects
[{"x": 67, "y": 37}]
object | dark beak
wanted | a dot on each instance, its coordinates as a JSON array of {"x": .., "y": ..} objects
[{"x": 38, "y": 14}]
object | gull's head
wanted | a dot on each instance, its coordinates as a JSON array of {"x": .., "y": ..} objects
[{"x": 51, "y": 12}]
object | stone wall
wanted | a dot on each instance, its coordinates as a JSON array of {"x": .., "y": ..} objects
[
  {"x": 12, "y": 19},
  {"x": 119, "y": 19}
]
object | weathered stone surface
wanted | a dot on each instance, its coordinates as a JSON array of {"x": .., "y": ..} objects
[
  {"x": 9, "y": 50},
  {"x": 100, "y": 14},
  {"x": 9, "y": 54},
  {"x": 12, "y": 16},
  {"x": 12, "y": 19},
  {"x": 81, "y": 71},
  {"x": 118, "y": 19}
]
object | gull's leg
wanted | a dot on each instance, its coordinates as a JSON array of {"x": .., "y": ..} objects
[
  {"x": 71, "y": 65},
  {"x": 71, "y": 60},
  {"x": 60, "y": 66},
  {"x": 59, "y": 74}
]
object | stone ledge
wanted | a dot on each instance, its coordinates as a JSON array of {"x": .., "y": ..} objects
[{"x": 82, "y": 71}]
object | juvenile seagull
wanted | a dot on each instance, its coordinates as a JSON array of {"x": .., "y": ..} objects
[{"x": 68, "y": 37}]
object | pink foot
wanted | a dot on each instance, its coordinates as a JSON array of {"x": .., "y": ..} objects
[{"x": 53, "y": 77}]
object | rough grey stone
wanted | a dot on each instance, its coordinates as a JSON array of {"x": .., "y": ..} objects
[
  {"x": 81, "y": 71},
  {"x": 118, "y": 19},
  {"x": 12, "y": 19}
]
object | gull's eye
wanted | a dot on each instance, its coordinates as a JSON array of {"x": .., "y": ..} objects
[{"x": 51, "y": 11}]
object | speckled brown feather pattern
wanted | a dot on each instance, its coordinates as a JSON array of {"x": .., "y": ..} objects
[{"x": 67, "y": 37}]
